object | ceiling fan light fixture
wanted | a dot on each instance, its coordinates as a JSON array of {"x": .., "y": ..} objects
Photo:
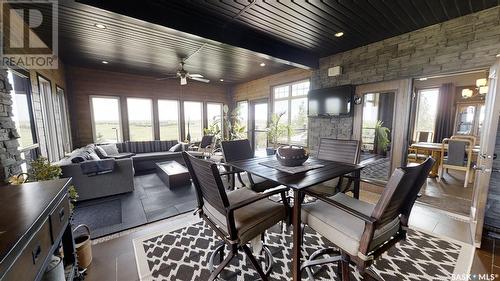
[
  {"x": 184, "y": 81},
  {"x": 222, "y": 80},
  {"x": 262, "y": 64},
  {"x": 100, "y": 25},
  {"x": 339, "y": 34},
  {"x": 105, "y": 62}
]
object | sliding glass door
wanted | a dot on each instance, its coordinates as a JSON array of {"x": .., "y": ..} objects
[{"x": 259, "y": 119}]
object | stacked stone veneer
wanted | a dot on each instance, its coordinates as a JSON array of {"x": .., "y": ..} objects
[
  {"x": 465, "y": 43},
  {"x": 10, "y": 158}
]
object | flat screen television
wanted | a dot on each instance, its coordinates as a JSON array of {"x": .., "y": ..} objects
[{"x": 335, "y": 101}]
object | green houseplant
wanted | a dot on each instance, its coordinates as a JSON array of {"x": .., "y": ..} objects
[
  {"x": 382, "y": 137},
  {"x": 275, "y": 130},
  {"x": 235, "y": 129}
]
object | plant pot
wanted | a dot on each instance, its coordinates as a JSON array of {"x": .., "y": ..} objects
[
  {"x": 270, "y": 151},
  {"x": 83, "y": 247},
  {"x": 291, "y": 156}
]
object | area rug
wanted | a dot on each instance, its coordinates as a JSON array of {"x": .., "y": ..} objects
[{"x": 182, "y": 255}]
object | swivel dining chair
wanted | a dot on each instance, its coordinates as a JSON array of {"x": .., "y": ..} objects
[
  {"x": 237, "y": 216},
  {"x": 363, "y": 231}
]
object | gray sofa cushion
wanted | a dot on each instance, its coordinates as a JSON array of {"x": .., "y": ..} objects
[
  {"x": 110, "y": 149},
  {"x": 96, "y": 167},
  {"x": 151, "y": 156},
  {"x": 101, "y": 152}
]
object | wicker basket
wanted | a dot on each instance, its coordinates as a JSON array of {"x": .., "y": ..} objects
[{"x": 83, "y": 247}]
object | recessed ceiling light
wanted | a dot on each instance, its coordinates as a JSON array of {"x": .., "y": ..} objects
[
  {"x": 339, "y": 34},
  {"x": 423, "y": 78},
  {"x": 498, "y": 55},
  {"x": 222, "y": 80},
  {"x": 262, "y": 64},
  {"x": 100, "y": 26},
  {"x": 105, "y": 62}
]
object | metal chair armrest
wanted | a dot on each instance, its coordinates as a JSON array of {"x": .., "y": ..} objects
[{"x": 249, "y": 201}]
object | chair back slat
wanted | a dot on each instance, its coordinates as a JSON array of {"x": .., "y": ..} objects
[
  {"x": 235, "y": 150},
  {"x": 206, "y": 140},
  {"x": 456, "y": 152},
  {"x": 207, "y": 181},
  {"x": 400, "y": 191},
  {"x": 346, "y": 151}
]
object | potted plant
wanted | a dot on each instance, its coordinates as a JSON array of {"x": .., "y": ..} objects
[
  {"x": 382, "y": 138},
  {"x": 275, "y": 130},
  {"x": 235, "y": 130}
]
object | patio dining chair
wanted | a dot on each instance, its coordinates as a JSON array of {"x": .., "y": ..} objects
[
  {"x": 361, "y": 231},
  {"x": 345, "y": 151},
  {"x": 204, "y": 148},
  {"x": 236, "y": 217},
  {"x": 456, "y": 154},
  {"x": 424, "y": 136},
  {"x": 235, "y": 150}
]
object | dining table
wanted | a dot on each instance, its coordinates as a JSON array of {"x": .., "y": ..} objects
[
  {"x": 298, "y": 183},
  {"x": 434, "y": 149}
]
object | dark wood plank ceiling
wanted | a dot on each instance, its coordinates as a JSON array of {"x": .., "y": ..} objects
[
  {"x": 230, "y": 38},
  {"x": 136, "y": 46},
  {"x": 309, "y": 25}
]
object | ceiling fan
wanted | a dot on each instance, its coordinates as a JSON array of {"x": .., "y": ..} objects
[{"x": 184, "y": 75}]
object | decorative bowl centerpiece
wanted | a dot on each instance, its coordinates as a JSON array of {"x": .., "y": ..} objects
[{"x": 291, "y": 155}]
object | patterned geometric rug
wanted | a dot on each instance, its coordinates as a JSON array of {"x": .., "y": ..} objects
[
  {"x": 377, "y": 170},
  {"x": 183, "y": 255}
]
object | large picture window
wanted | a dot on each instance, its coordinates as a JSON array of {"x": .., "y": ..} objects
[
  {"x": 22, "y": 110},
  {"x": 106, "y": 119},
  {"x": 168, "y": 115},
  {"x": 242, "y": 116},
  {"x": 193, "y": 125},
  {"x": 291, "y": 101},
  {"x": 214, "y": 119},
  {"x": 140, "y": 119},
  {"x": 427, "y": 101}
]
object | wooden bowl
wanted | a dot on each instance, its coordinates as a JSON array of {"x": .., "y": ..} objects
[{"x": 291, "y": 156}]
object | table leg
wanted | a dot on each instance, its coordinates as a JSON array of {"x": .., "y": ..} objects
[
  {"x": 435, "y": 168},
  {"x": 357, "y": 179},
  {"x": 297, "y": 235}
]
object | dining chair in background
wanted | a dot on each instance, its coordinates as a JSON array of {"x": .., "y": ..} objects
[
  {"x": 235, "y": 150},
  {"x": 424, "y": 136},
  {"x": 204, "y": 148},
  {"x": 456, "y": 154},
  {"x": 344, "y": 151},
  {"x": 363, "y": 231},
  {"x": 236, "y": 217}
]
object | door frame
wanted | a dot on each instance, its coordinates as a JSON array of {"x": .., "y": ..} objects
[
  {"x": 251, "y": 121},
  {"x": 486, "y": 155},
  {"x": 402, "y": 98}
]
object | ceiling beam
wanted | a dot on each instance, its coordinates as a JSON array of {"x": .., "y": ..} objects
[{"x": 235, "y": 34}]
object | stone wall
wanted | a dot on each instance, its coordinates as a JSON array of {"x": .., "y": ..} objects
[
  {"x": 465, "y": 43},
  {"x": 10, "y": 159}
]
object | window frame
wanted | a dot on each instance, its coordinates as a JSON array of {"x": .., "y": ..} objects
[
  {"x": 120, "y": 120},
  {"x": 247, "y": 125},
  {"x": 48, "y": 116},
  {"x": 153, "y": 137},
  {"x": 417, "y": 107},
  {"x": 179, "y": 120},
  {"x": 203, "y": 117},
  {"x": 289, "y": 99}
]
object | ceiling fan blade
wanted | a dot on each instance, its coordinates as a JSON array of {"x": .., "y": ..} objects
[
  {"x": 200, "y": 79},
  {"x": 195, "y": 75}
]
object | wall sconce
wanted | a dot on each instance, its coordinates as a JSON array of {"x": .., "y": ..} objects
[
  {"x": 481, "y": 85},
  {"x": 467, "y": 93}
]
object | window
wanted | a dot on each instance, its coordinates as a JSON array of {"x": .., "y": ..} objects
[
  {"x": 22, "y": 110},
  {"x": 193, "y": 120},
  {"x": 62, "y": 121},
  {"x": 106, "y": 119},
  {"x": 140, "y": 119},
  {"x": 425, "y": 120},
  {"x": 242, "y": 118},
  {"x": 51, "y": 149},
  {"x": 214, "y": 119},
  {"x": 168, "y": 115},
  {"x": 291, "y": 101}
]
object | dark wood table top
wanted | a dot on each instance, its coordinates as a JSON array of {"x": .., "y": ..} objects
[
  {"x": 22, "y": 206},
  {"x": 329, "y": 171}
]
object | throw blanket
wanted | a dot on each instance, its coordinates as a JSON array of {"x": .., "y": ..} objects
[{"x": 97, "y": 167}]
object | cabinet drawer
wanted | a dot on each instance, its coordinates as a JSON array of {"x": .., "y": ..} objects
[
  {"x": 32, "y": 257},
  {"x": 59, "y": 217}
]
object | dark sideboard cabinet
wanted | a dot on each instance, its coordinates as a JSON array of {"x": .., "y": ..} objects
[{"x": 34, "y": 224}]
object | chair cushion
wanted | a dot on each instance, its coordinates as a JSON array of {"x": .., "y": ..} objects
[
  {"x": 251, "y": 220},
  {"x": 343, "y": 229}
]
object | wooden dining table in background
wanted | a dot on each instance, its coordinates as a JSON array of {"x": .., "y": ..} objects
[
  {"x": 434, "y": 149},
  {"x": 298, "y": 183}
]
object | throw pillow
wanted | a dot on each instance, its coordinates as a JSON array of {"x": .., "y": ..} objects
[
  {"x": 93, "y": 156},
  {"x": 176, "y": 148},
  {"x": 110, "y": 149},
  {"x": 101, "y": 152},
  {"x": 77, "y": 159}
]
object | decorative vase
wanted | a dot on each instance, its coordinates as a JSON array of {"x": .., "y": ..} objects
[
  {"x": 270, "y": 151},
  {"x": 291, "y": 155}
]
